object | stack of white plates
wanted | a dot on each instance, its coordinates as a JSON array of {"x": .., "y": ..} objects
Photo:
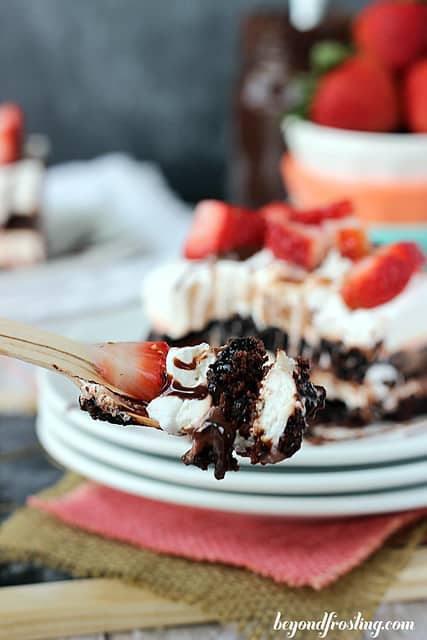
[{"x": 376, "y": 474}]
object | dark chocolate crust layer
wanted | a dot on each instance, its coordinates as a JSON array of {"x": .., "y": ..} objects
[
  {"x": 348, "y": 364},
  {"x": 18, "y": 221},
  {"x": 219, "y": 331},
  {"x": 95, "y": 412},
  {"x": 337, "y": 413}
]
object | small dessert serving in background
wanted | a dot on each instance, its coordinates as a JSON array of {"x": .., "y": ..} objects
[
  {"x": 309, "y": 282},
  {"x": 21, "y": 178},
  {"x": 359, "y": 128}
]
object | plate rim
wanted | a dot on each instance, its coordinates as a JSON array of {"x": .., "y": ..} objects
[
  {"x": 260, "y": 483},
  {"x": 296, "y": 506}
]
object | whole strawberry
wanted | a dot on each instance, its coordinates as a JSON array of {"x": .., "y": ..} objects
[
  {"x": 358, "y": 94},
  {"x": 415, "y": 97},
  {"x": 393, "y": 31}
]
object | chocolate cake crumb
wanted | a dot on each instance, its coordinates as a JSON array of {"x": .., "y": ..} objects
[
  {"x": 314, "y": 395},
  {"x": 291, "y": 439},
  {"x": 235, "y": 377},
  {"x": 95, "y": 412}
]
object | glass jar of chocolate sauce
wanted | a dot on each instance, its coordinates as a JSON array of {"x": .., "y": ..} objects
[{"x": 272, "y": 53}]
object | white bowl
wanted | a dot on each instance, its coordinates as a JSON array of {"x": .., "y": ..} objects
[{"x": 356, "y": 154}]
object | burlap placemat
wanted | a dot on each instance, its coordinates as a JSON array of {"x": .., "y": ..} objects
[{"x": 232, "y": 596}]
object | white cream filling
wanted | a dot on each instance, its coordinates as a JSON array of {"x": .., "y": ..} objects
[
  {"x": 176, "y": 415},
  {"x": 277, "y": 401},
  {"x": 184, "y": 296},
  {"x": 200, "y": 355},
  {"x": 20, "y": 247},
  {"x": 374, "y": 389}
]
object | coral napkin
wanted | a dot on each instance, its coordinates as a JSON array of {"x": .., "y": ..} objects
[{"x": 298, "y": 553}]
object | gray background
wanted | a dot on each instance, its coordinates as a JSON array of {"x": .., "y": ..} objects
[{"x": 152, "y": 77}]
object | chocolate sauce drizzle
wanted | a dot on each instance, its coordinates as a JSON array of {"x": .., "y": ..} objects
[
  {"x": 213, "y": 443},
  {"x": 186, "y": 366},
  {"x": 174, "y": 388}
]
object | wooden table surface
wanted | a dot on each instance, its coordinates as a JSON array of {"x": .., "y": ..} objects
[{"x": 25, "y": 469}]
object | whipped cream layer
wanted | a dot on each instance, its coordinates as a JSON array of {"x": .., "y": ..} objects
[
  {"x": 185, "y": 296},
  {"x": 278, "y": 400},
  {"x": 176, "y": 413}
]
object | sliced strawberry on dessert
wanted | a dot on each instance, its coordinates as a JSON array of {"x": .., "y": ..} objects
[
  {"x": 219, "y": 227},
  {"x": 302, "y": 245},
  {"x": 411, "y": 253},
  {"x": 276, "y": 211},
  {"x": 380, "y": 277},
  {"x": 137, "y": 368},
  {"x": 334, "y": 211},
  {"x": 352, "y": 242},
  {"x": 11, "y": 132}
]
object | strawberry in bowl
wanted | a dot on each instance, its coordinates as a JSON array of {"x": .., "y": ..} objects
[{"x": 359, "y": 129}]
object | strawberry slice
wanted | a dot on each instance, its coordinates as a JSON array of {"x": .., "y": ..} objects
[
  {"x": 282, "y": 211},
  {"x": 137, "y": 368},
  {"x": 380, "y": 277},
  {"x": 352, "y": 242},
  {"x": 11, "y": 132},
  {"x": 276, "y": 211},
  {"x": 335, "y": 211},
  {"x": 219, "y": 227},
  {"x": 411, "y": 253},
  {"x": 300, "y": 244}
]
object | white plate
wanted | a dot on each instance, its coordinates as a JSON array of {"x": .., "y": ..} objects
[
  {"x": 271, "y": 480},
  {"x": 404, "y": 443},
  {"x": 292, "y": 506}
]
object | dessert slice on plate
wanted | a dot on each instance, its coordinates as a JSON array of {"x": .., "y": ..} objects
[
  {"x": 22, "y": 173},
  {"x": 310, "y": 282}
]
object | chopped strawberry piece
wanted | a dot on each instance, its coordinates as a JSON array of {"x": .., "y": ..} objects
[
  {"x": 410, "y": 252},
  {"x": 137, "y": 368},
  {"x": 380, "y": 277},
  {"x": 352, "y": 242},
  {"x": 219, "y": 227},
  {"x": 334, "y": 211},
  {"x": 11, "y": 132},
  {"x": 299, "y": 244},
  {"x": 276, "y": 211}
]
